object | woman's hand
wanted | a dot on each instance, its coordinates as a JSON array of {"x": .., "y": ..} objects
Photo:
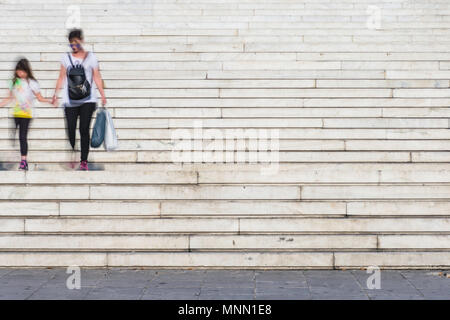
[
  {"x": 55, "y": 101},
  {"x": 62, "y": 75},
  {"x": 103, "y": 101}
]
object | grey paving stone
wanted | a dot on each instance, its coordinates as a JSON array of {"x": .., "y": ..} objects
[
  {"x": 18, "y": 282},
  {"x": 175, "y": 284},
  {"x": 396, "y": 296},
  {"x": 127, "y": 274},
  {"x": 335, "y": 285},
  {"x": 33, "y": 272},
  {"x": 333, "y": 292},
  {"x": 281, "y": 284},
  {"x": 326, "y": 273},
  {"x": 16, "y": 292},
  {"x": 216, "y": 284},
  {"x": 242, "y": 273},
  {"x": 5, "y": 272},
  {"x": 296, "y": 290},
  {"x": 220, "y": 291},
  {"x": 280, "y": 276},
  {"x": 179, "y": 277},
  {"x": 283, "y": 297},
  {"x": 14, "y": 296},
  {"x": 430, "y": 284},
  {"x": 171, "y": 292},
  {"x": 124, "y": 283},
  {"x": 339, "y": 297},
  {"x": 87, "y": 273},
  {"x": 46, "y": 294},
  {"x": 431, "y": 296},
  {"x": 170, "y": 297},
  {"x": 340, "y": 282},
  {"x": 114, "y": 293},
  {"x": 391, "y": 281},
  {"x": 237, "y": 285},
  {"x": 229, "y": 274},
  {"x": 428, "y": 281},
  {"x": 226, "y": 297}
]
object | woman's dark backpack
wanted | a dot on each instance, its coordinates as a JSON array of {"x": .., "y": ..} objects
[{"x": 77, "y": 84}]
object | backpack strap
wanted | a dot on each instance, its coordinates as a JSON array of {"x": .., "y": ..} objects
[
  {"x": 87, "y": 53},
  {"x": 70, "y": 59}
]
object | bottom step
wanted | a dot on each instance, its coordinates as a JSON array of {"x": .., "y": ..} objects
[{"x": 232, "y": 260}]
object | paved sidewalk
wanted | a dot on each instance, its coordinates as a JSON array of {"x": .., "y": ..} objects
[{"x": 222, "y": 284}]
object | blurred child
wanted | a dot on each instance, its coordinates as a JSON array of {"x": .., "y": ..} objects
[{"x": 23, "y": 89}]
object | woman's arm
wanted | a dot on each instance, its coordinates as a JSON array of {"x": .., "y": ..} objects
[
  {"x": 62, "y": 76},
  {"x": 99, "y": 82},
  {"x": 7, "y": 100}
]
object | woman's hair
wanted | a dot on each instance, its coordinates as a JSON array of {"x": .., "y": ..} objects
[
  {"x": 75, "y": 34},
  {"x": 24, "y": 65}
]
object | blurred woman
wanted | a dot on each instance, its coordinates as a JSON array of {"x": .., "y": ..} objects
[{"x": 80, "y": 76}]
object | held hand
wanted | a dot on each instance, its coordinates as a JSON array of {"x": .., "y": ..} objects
[
  {"x": 55, "y": 101},
  {"x": 103, "y": 101}
]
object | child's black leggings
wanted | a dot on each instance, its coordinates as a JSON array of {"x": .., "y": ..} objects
[
  {"x": 85, "y": 112},
  {"x": 23, "y": 124}
]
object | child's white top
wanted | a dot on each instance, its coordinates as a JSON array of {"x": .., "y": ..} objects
[{"x": 24, "y": 93}]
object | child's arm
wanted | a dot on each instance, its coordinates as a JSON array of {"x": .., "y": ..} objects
[
  {"x": 7, "y": 100},
  {"x": 41, "y": 98}
]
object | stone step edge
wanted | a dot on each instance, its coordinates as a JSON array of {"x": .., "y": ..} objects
[{"x": 242, "y": 260}]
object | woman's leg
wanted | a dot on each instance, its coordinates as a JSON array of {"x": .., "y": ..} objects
[
  {"x": 86, "y": 111},
  {"x": 71, "y": 123}
]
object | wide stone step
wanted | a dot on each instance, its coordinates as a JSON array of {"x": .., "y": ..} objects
[
  {"x": 329, "y": 175},
  {"x": 263, "y": 123},
  {"x": 196, "y": 242},
  {"x": 253, "y": 260},
  {"x": 284, "y": 133},
  {"x": 284, "y": 145},
  {"x": 225, "y": 192},
  {"x": 84, "y": 192},
  {"x": 240, "y": 166},
  {"x": 168, "y": 259},
  {"x": 226, "y": 225},
  {"x": 242, "y": 208},
  {"x": 44, "y": 115},
  {"x": 227, "y": 56},
  {"x": 258, "y": 83},
  {"x": 250, "y": 65},
  {"x": 36, "y": 177},
  {"x": 307, "y": 37},
  {"x": 239, "y": 156}
]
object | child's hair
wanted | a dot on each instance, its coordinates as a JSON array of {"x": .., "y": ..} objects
[
  {"x": 23, "y": 65},
  {"x": 75, "y": 34}
]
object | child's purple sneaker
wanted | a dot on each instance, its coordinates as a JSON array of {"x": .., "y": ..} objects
[
  {"x": 84, "y": 166},
  {"x": 23, "y": 165}
]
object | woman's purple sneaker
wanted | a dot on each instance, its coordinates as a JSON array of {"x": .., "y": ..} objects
[
  {"x": 84, "y": 166},
  {"x": 23, "y": 165}
]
